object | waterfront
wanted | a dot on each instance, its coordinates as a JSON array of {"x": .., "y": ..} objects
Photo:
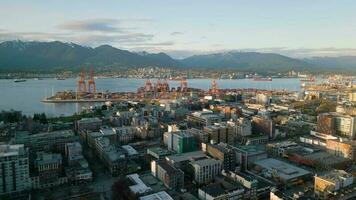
[{"x": 27, "y": 96}]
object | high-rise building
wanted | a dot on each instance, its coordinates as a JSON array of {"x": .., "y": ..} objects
[
  {"x": 180, "y": 141},
  {"x": 14, "y": 169}
]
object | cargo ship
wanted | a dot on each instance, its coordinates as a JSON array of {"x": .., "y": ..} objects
[
  {"x": 310, "y": 79},
  {"x": 19, "y": 80},
  {"x": 262, "y": 79}
]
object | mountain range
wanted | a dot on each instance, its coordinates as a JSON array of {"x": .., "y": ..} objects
[{"x": 50, "y": 56}]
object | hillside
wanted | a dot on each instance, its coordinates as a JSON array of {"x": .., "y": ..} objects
[{"x": 50, "y": 56}]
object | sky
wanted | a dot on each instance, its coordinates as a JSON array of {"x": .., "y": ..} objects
[{"x": 181, "y": 28}]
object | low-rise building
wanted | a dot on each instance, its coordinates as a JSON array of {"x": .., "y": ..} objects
[
  {"x": 172, "y": 177},
  {"x": 158, "y": 152},
  {"x": 137, "y": 186},
  {"x": 49, "y": 167},
  {"x": 220, "y": 132},
  {"x": 92, "y": 124},
  {"x": 325, "y": 185},
  {"x": 281, "y": 171},
  {"x": 157, "y": 196},
  {"x": 206, "y": 169},
  {"x": 203, "y": 118},
  {"x": 222, "y": 152}
]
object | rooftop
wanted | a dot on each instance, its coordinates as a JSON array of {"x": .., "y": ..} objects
[
  {"x": 335, "y": 175},
  {"x": 130, "y": 150},
  {"x": 157, "y": 196},
  {"x": 185, "y": 156},
  {"x": 205, "y": 162},
  {"x": 139, "y": 186},
  {"x": 12, "y": 150},
  {"x": 283, "y": 169},
  {"x": 48, "y": 158}
]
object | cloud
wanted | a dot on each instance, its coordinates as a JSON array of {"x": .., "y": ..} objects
[
  {"x": 41, "y": 36},
  {"x": 149, "y": 44},
  {"x": 176, "y": 33},
  {"x": 306, "y": 52},
  {"x": 102, "y": 25}
]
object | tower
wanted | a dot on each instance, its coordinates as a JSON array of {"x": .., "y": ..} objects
[
  {"x": 91, "y": 82},
  {"x": 81, "y": 87}
]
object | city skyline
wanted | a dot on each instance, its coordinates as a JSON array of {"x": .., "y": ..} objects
[{"x": 183, "y": 28}]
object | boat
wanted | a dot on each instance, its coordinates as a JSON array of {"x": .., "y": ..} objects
[
  {"x": 19, "y": 80},
  {"x": 60, "y": 78},
  {"x": 310, "y": 79},
  {"x": 262, "y": 79}
]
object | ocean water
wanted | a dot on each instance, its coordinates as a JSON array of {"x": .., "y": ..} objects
[{"x": 27, "y": 96}]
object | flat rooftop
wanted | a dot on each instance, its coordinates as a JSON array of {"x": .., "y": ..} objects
[
  {"x": 284, "y": 170},
  {"x": 176, "y": 158},
  {"x": 157, "y": 196},
  {"x": 11, "y": 150},
  {"x": 139, "y": 186},
  {"x": 130, "y": 150}
]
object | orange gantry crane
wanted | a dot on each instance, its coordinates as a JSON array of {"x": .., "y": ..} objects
[
  {"x": 91, "y": 82},
  {"x": 81, "y": 87},
  {"x": 183, "y": 85},
  {"x": 214, "y": 88}
]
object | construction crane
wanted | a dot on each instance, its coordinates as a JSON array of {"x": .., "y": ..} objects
[
  {"x": 183, "y": 85},
  {"x": 214, "y": 88},
  {"x": 81, "y": 87},
  {"x": 91, "y": 82}
]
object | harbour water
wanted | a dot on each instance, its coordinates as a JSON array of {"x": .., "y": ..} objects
[{"x": 26, "y": 96}]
